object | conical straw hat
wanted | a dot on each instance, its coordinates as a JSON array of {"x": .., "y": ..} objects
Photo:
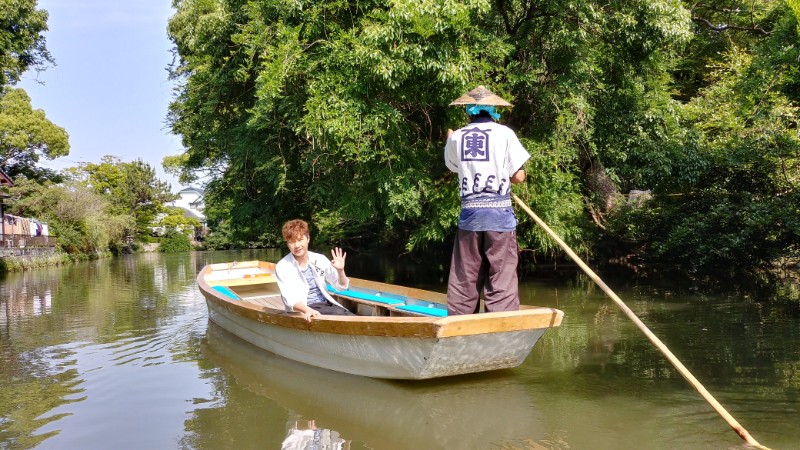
[{"x": 480, "y": 96}]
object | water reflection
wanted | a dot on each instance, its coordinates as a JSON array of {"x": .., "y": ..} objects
[
  {"x": 486, "y": 411},
  {"x": 32, "y": 379},
  {"x": 305, "y": 435},
  {"x": 22, "y": 296},
  {"x": 79, "y": 342},
  {"x": 744, "y": 351},
  {"x": 118, "y": 353},
  {"x": 33, "y": 384}
]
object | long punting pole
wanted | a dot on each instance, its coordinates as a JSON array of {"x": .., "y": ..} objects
[{"x": 738, "y": 428}]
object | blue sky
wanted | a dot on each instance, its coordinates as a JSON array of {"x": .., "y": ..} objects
[{"x": 109, "y": 88}]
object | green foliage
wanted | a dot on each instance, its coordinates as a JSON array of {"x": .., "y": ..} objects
[
  {"x": 26, "y": 136},
  {"x": 79, "y": 218},
  {"x": 737, "y": 192},
  {"x": 176, "y": 220},
  {"x": 219, "y": 238},
  {"x": 19, "y": 264},
  {"x": 22, "y": 41},
  {"x": 720, "y": 27},
  {"x": 174, "y": 242},
  {"x": 795, "y": 5},
  {"x": 336, "y": 112},
  {"x": 131, "y": 189},
  {"x": 100, "y": 207}
]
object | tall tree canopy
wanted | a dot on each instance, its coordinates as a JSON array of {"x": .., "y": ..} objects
[
  {"x": 26, "y": 136},
  {"x": 337, "y": 111},
  {"x": 731, "y": 200},
  {"x": 22, "y": 41}
]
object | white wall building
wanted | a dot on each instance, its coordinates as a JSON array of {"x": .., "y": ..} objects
[{"x": 192, "y": 201}]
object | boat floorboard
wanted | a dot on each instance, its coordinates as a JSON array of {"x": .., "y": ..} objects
[{"x": 270, "y": 301}]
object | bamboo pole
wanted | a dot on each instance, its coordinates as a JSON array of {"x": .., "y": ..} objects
[{"x": 738, "y": 428}]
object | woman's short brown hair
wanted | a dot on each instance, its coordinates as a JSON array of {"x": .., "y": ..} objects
[{"x": 294, "y": 229}]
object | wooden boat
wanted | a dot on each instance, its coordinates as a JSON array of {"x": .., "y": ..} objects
[{"x": 397, "y": 332}]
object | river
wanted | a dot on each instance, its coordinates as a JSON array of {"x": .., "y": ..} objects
[{"x": 119, "y": 354}]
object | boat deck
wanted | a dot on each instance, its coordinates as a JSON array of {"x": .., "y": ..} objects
[
  {"x": 360, "y": 306},
  {"x": 254, "y": 282},
  {"x": 269, "y": 301}
]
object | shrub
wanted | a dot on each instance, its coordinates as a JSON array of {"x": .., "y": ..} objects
[{"x": 174, "y": 242}]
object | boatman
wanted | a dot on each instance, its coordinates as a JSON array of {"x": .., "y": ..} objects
[
  {"x": 303, "y": 275},
  {"x": 488, "y": 158}
]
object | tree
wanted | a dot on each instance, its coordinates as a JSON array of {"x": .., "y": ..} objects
[
  {"x": 337, "y": 112},
  {"x": 178, "y": 219},
  {"x": 79, "y": 217},
  {"x": 22, "y": 41},
  {"x": 26, "y": 136},
  {"x": 731, "y": 202},
  {"x": 131, "y": 189},
  {"x": 174, "y": 242},
  {"x": 795, "y": 5}
]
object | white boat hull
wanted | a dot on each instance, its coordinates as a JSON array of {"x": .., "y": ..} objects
[{"x": 384, "y": 356}]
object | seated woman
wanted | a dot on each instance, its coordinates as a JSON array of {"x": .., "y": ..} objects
[{"x": 302, "y": 275}]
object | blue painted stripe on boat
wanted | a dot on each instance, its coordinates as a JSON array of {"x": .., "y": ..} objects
[
  {"x": 366, "y": 296},
  {"x": 427, "y": 310},
  {"x": 224, "y": 290}
]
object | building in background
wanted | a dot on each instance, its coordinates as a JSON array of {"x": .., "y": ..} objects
[
  {"x": 191, "y": 201},
  {"x": 21, "y": 235}
]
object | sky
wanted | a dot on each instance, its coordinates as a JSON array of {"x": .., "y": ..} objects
[{"x": 110, "y": 88}]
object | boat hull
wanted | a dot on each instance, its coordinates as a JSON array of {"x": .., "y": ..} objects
[{"x": 384, "y": 356}]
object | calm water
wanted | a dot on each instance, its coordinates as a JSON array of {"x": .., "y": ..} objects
[{"x": 119, "y": 354}]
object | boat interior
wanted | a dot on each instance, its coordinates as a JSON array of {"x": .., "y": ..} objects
[{"x": 254, "y": 282}]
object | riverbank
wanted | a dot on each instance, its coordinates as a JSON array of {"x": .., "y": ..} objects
[
  {"x": 18, "y": 263},
  {"x": 33, "y": 260}
]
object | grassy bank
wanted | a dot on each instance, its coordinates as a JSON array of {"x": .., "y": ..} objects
[{"x": 26, "y": 262}]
